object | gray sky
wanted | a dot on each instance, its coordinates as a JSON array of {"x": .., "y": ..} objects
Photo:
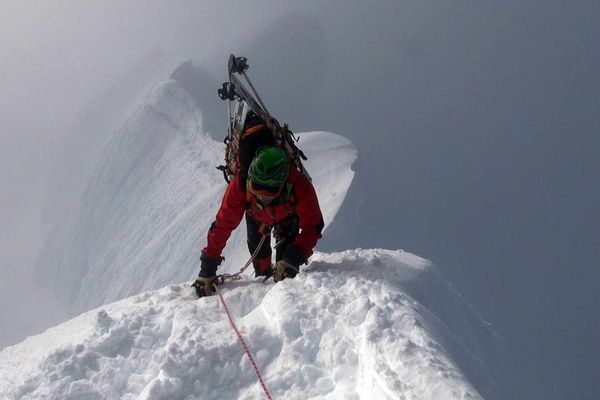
[{"x": 476, "y": 125}]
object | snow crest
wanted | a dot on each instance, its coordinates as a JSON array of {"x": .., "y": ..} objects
[
  {"x": 347, "y": 327},
  {"x": 146, "y": 209}
]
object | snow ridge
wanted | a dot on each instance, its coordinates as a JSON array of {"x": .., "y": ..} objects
[
  {"x": 360, "y": 324},
  {"x": 345, "y": 328},
  {"x": 143, "y": 218}
]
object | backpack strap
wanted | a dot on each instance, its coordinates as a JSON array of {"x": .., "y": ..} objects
[{"x": 289, "y": 194}]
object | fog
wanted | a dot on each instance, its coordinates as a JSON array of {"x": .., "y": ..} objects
[
  {"x": 476, "y": 126},
  {"x": 56, "y": 58}
]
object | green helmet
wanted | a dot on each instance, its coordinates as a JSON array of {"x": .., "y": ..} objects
[{"x": 270, "y": 167}]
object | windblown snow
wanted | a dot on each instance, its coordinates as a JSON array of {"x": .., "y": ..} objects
[
  {"x": 353, "y": 325},
  {"x": 358, "y": 324}
]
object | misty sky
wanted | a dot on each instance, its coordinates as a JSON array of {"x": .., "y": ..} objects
[{"x": 476, "y": 124}]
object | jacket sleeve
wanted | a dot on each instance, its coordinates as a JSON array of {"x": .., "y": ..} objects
[
  {"x": 311, "y": 223},
  {"x": 228, "y": 218}
]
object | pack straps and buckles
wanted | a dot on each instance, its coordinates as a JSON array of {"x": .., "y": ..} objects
[{"x": 226, "y": 172}]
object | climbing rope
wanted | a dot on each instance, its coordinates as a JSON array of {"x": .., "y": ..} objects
[
  {"x": 244, "y": 345},
  {"x": 238, "y": 275},
  {"x": 233, "y": 277}
]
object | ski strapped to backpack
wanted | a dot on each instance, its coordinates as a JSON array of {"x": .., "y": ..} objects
[{"x": 248, "y": 114}]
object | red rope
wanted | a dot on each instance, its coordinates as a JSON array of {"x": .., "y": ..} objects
[
  {"x": 238, "y": 275},
  {"x": 244, "y": 345}
]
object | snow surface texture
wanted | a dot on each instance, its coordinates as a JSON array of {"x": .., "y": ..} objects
[
  {"x": 353, "y": 325},
  {"x": 146, "y": 209}
]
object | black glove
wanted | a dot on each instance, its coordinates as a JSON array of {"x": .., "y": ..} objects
[
  {"x": 284, "y": 269},
  {"x": 207, "y": 278},
  {"x": 290, "y": 262},
  {"x": 205, "y": 286}
]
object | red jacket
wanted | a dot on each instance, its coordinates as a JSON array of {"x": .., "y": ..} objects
[{"x": 303, "y": 201}]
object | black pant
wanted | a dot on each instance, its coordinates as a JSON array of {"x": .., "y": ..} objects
[{"x": 285, "y": 233}]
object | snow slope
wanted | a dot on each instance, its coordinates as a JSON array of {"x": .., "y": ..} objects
[
  {"x": 151, "y": 198},
  {"x": 361, "y": 324}
]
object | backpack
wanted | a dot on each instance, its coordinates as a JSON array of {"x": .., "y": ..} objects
[{"x": 251, "y": 126}]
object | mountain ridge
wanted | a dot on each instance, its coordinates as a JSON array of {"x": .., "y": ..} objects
[{"x": 346, "y": 327}]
